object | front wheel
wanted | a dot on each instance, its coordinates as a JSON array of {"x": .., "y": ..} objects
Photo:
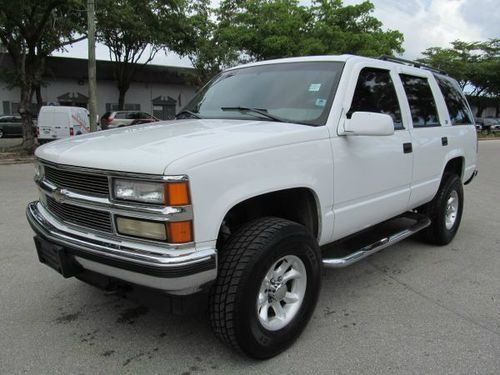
[
  {"x": 268, "y": 285},
  {"x": 445, "y": 211}
]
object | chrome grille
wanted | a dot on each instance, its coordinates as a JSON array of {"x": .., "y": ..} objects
[
  {"x": 83, "y": 182},
  {"x": 85, "y": 217}
]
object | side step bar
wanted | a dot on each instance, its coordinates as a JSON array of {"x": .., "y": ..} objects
[{"x": 422, "y": 222}]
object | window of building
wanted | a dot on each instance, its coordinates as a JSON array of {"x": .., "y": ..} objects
[
  {"x": 455, "y": 101},
  {"x": 111, "y": 107},
  {"x": 375, "y": 92},
  {"x": 422, "y": 104}
]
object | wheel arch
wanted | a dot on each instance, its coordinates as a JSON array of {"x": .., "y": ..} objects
[
  {"x": 305, "y": 210},
  {"x": 455, "y": 163}
]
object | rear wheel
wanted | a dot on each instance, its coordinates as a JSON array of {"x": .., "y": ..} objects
[
  {"x": 445, "y": 211},
  {"x": 1, "y": 133},
  {"x": 268, "y": 285}
]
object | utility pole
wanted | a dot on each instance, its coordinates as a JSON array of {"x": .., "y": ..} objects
[{"x": 92, "y": 65}]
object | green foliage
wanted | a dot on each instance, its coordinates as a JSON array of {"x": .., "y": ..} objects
[
  {"x": 249, "y": 30},
  {"x": 30, "y": 30},
  {"x": 203, "y": 44},
  {"x": 476, "y": 66},
  {"x": 264, "y": 29},
  {"x": 135, "y": 30}
]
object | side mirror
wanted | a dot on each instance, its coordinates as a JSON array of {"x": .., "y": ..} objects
[{"x": 368, "y": 123}]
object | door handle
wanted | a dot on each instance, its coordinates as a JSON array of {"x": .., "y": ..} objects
[
  {"x": 407, "y": 147},
  {"x": 444, "y": 141}
]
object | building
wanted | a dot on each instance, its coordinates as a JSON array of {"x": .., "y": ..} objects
[{"x": 159, "y": 90}]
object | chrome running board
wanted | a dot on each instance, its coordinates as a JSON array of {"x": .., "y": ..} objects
[{"x": 421, "y": 222}]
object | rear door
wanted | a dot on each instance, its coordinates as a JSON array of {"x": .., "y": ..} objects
[
  {"x": 430, "y": 133},
  {"x": 61, "y": 121},
  {"x": 46, "y": 124},
  {"x": 372, "y": 174}
]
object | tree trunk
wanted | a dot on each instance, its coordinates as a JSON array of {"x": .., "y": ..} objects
[
  {"x": 39, "y": 99},
  {"x": 122, "y": 91},
  {"x": 25, "y": 112}
]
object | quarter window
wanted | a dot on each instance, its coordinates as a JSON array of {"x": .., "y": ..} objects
[
  {"x": 455, "y": 101},
  {"x": 422, "y": 104},
  {"x": 375, "y": 92}
]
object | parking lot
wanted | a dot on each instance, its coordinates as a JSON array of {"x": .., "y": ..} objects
[{"x": 411, "y": 309}]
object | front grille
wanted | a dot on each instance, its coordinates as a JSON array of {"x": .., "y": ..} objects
[
  {"x": 85, "y": 217},
  {"x": 83, "y": 182}
]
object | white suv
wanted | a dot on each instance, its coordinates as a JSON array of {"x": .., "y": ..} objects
[{"x": 267, "y": 165}]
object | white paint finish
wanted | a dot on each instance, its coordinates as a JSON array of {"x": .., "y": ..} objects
[
  {"x": 357, "y": 180},
  {"x": 368, "y": 123},
  {"x": 220, "y": 184},
  {"x": 371, "y": 182},
  {"x": 55, "y": 122}
]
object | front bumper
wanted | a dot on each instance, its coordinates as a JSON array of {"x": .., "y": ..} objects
[{"x": 185, "y": 273}]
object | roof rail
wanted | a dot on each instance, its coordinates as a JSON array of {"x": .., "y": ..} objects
[{"x": 410, "y": 63}]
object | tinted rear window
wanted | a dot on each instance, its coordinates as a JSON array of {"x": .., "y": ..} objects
[
  {"x": 422, "y": 104},
  {"x": 455, "y": 101}
]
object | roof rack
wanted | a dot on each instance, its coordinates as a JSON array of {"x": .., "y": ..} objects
[{"x": 410, "y": 63}]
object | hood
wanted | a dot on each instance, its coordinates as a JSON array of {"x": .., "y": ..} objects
[{"x": 151, "y": 148}]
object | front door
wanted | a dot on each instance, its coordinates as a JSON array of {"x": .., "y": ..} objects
[{"x": 372, "y": 174}]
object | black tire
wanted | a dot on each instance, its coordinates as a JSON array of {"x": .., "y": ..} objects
[
  {"x": 438, "y": 233},
  {"x": 243, "y": 263},
  {"x": 1, "y": 133}
]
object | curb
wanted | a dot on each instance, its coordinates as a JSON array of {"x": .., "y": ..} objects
[{"x": 16, "y": 161}]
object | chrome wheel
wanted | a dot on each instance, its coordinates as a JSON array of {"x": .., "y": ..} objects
[
  {"x": 281, "y": 292},
  {"x": 451, "y": 209}
]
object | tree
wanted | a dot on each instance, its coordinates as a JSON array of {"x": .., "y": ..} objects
[
  {"x": 203, "y": 46},
  {"x": 30, "y": 30},
  {"x": 137, "y": 29},
  {"x": 265, "y": 29},
  {"x": 475, "y": 65},
  {"x": 352, "y": 29}
]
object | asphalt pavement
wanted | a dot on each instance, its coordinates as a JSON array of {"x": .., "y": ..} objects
[{"x": 411, "y": 309}]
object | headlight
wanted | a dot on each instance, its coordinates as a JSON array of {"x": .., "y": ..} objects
[
  {"x": 39, "y": 172},
  {"x": 139, "y": 191},
  {"x": 141, "y": 228},
  {"x": 170, "y": 193}
]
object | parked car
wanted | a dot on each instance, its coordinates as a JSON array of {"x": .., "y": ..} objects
[
  {"x": 271, "y": 162},
  {"x": 57, "y": 122},
  {"x": 11, "y": 126},
  {"x": 118, "y": 119},
  {"x": 489, "y": 124}
]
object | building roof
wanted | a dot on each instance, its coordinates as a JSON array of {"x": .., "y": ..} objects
[{"x": 72, "y": 68}]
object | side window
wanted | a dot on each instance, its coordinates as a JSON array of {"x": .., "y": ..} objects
[
  {"x": 121, "y": 115},
  {"x": 133, "y": 115},
  {"x": 422, "y": 104},
  {"x": 375, "y": 92},
  {"x": 455, "y": 101}
]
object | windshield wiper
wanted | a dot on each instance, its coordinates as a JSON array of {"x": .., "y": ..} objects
[
  {"x": 260, "y": 111},
  {"x": 187, "y": 112}
]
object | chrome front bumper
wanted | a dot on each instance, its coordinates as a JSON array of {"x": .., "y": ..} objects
[{"x": 184, "y": 271}]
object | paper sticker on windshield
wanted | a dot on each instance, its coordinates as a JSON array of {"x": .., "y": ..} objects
[
  {"x": 320, "y": 102},
  {"x": 313, "y": 87}
]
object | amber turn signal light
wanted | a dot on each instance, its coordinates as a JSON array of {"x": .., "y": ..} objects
[
  {"x": 180, "y": 231},
  {"x": 177, "y": 193}
]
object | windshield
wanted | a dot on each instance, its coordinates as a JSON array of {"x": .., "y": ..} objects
[{"x": 294, "y": 92}]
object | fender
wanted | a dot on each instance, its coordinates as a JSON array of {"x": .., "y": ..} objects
[{"x": 219, "y": 185}]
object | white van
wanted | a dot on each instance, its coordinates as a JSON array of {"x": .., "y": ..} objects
[{"x": 56, "y": 122}]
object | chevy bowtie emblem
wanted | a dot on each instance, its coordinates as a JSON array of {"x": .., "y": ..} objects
[{"x": 58, "y": 195}]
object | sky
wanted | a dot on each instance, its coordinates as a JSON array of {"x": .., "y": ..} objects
[{"x": 424, "y": 23}]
